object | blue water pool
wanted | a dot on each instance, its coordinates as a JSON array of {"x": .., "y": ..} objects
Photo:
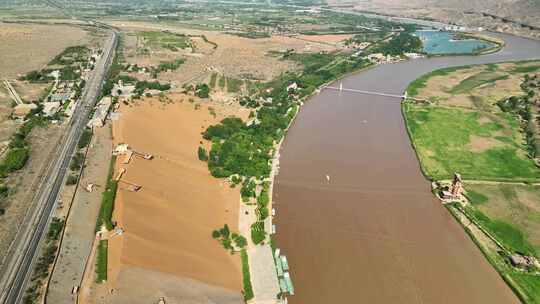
[{"x": 437, "y": 43}]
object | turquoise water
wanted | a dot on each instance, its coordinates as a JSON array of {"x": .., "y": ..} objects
[{"x": 437, "y": 43}]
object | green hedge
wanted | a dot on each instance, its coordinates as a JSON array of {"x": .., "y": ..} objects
[
  {"x": 15, "y": 160},
  {"x": 248, "y": 290},
  {"x": 107, "y": 200},
  {"x": 85, "y": 139},
  {"x": 101, "y": 261}
]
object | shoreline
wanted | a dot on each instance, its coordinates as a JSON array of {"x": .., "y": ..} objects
[
  {"x": 276, "y": 161},
  {"x": 277, "y": 154},
  {"x": 460, "y": 215}
]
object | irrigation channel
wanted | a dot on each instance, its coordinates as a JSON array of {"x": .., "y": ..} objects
[{"x": 373, "y": 232}]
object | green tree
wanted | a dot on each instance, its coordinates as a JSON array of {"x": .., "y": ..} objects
[{"x": 201, "y": 152}]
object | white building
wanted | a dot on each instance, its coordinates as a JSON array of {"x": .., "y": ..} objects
[
  {"x": 51, "y": 108},
  {"x": 101, "y": 112},
  {"x": 121, "y": 90}
]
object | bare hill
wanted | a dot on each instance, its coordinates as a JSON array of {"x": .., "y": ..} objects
[{"x": 511, "y": 16}]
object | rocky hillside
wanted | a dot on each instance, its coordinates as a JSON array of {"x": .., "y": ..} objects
[{"x": 499, "y": 15}]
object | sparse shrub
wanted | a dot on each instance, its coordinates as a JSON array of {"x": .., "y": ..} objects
[
  {"x": 71, "y": 180},
  {"x": 85, "y": 139},
  {"x": 203, "y": 155}
]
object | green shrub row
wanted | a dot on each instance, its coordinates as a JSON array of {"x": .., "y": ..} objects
[
  {"x": 101, "y": 261},
  {"x": 248, "y": 289},
  {"x": 107, "y": 200},
  {"x": 43, "y": 264}
]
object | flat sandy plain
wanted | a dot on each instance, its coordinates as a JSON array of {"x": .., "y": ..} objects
[
  {"x": 168, "y": 223},
  {"x": 27, "y": 47},
  {"x": 234, "y": 56}
]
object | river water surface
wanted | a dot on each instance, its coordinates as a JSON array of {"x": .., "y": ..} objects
[{"x": 374, "y": 233}]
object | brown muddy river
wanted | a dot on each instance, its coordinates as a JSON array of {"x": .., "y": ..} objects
[{"x": 374, "y": 233}]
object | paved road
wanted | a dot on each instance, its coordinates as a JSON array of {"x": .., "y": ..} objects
[{"x": 16, "y": 272}]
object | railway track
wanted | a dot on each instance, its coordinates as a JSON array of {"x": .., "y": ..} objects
[{"x": 16, "y": 271}]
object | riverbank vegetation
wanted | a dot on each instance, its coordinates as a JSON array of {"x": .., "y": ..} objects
[
  {"x": 474, "y": 122},
  {"x": 511, "y": 214},
  {"x": 481, "y": 121},
  {"x": 399, "y": 44}
]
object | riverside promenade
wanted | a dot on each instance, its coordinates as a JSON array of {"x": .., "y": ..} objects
[
  {"x": 262, "y": 267},
  {"x": 261, "y": 262}
]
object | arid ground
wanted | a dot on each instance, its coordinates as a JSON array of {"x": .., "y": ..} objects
[
  {"x": 168, "y": 223},
  {"x": 27, "y": 47}
]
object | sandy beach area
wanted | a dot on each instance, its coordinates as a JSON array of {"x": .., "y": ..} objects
[{"x": 168, "y": 223}]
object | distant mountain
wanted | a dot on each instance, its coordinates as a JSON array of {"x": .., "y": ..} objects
[
  {"x": 499, "y": 15},
  {"x": 511, "y": 9}
]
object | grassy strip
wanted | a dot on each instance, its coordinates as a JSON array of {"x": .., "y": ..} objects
[
  {"x": 101, "y": 261},
  {"x": 107, "y": 200},
  {"x": 420, "y": 82},
  {"x": 507, "y": 234},
  {"x": 248, "y": 290},
  {"x": 43, "y": 265},
  {"x": 525, "y": 286},
  {"x": 476, "y": 81}
]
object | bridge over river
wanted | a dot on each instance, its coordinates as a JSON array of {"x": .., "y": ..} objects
[{"x": 373, "y": 232}]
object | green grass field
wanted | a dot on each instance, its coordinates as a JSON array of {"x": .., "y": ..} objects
[
  {"x": 476, "y": 80},
  {"x": 234, "y": 85},
  {"x": 442, "y": 138},
  {"x": 511, "y": 213},
  {"x": 529, "y": 285},
  {"x": 165, "y": 40},
  {"x": 420, "y": 82}
]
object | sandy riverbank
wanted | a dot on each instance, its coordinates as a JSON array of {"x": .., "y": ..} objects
[{"x": 168, "y": 223}]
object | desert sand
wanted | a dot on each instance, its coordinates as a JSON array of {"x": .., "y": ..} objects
[{"x": 168, "y": 223}]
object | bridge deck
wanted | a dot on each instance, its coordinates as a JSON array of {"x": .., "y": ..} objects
[{"x": 367, "y": 92}]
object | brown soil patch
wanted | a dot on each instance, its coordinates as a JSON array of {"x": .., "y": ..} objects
[
  {"x": 173, "y": 288},
  {"x": 480, "y": 144},
  {"x": 168, "y": 223},
  {"x": 484, "y": 96},
  {"x": 236, "y": 57},
  {"x": 530, "y": 199},
  {"x": 334, "y": 39},
  {"x": 521, "y": 208},
  {"x": 29, "y": 91},
  {"x": 500, "y": 89},
  {"x": 27, "y": 47},
  {"x": 437, "y": 87}
]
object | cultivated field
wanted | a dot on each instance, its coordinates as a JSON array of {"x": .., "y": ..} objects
[
  {"x": 476, "y": 121},
  {"x": 464, "y": 130},
  {"x": 512, "y": 214}
]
